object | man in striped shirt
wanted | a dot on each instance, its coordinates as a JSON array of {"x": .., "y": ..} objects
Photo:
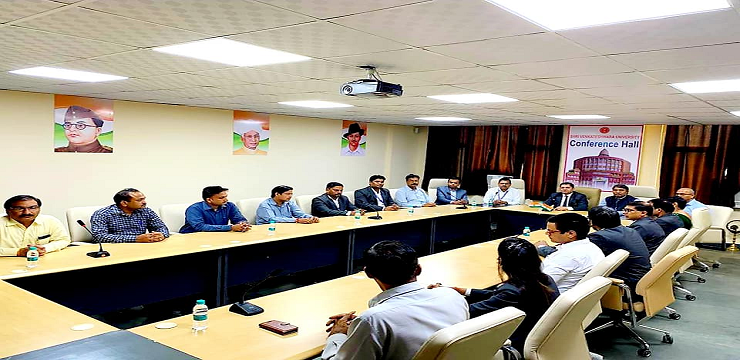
[{"x": 128, "y": 220}]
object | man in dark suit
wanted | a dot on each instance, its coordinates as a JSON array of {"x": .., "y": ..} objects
[
  {"x": 620, "y": 198},
  {"x": 567, "y": 199},
  {"x": 375, "y": 197},
  {"x": 664, "y": 216},
  {"x": 611, "y": 235},
  {"x": 641, "y": 214},
  {"x": 333, "y": 203},
  {"x": 452, "y": 194}
]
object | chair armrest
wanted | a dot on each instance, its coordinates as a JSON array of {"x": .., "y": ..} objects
[{"x": 612, "y": 299}]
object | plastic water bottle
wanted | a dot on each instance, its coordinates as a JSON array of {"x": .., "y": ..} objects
[
  {"x": 358, "y": 218},
  {"x": 271, "y": 228},
  {"x": 473, "y": 203},
  {"x": 32, "y": 257},
  {"x": 200, "y": 316},
  {"x": 490, "y": 203},
  {"x": 410, "y": 212},
  {"x": 526, "y": 232}
]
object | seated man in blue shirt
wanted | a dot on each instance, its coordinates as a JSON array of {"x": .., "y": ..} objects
[
  {"x": 411, "y": 195},
  {"x": 279, "y": 208},
  {"x": 691, "y": 203},
  {"x": 128, "y": 220},
  {"x": 452, "y": 194},
  {"x": 214, "y": 213}
]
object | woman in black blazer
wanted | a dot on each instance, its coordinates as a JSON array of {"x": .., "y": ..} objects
[{"x": 526, "y": 287}]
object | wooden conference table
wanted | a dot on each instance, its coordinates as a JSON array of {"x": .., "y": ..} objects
[
  {"x": 235, "y": 335},
  {"x": 232, "y": 336}
]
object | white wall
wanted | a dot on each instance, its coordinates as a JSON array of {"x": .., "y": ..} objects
[{"x": 171, "y": 152}]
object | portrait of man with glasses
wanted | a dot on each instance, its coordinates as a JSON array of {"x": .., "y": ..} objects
[{"x": 82, "y": 127}]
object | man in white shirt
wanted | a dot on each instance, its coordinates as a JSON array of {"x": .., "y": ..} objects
[
  {"x": 503, "y": 195},
  {"x": 575, "y": 254},
  {"x": 399, "y": 319}
]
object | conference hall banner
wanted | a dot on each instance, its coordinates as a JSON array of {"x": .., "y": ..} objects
[
  {"x": 602, "y": 156},
  {"x": 251, "y": 135},
  {"x": 83, "y": 125}
]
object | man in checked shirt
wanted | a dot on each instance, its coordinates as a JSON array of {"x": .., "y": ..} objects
[{"x": 128, "y": 220}]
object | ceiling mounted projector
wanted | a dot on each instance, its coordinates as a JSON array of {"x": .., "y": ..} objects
[{"x": 372, "y": 87}]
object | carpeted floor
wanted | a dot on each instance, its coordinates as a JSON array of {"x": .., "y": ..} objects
[{"x": 709, "y": 328}]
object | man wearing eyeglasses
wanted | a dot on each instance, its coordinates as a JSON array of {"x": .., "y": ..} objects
[
  {"x": 82, "y": 127},
  {"x": 691, "y": 203},
  {"x": 641, "y": 215},
  {"x": 23, "y": 227}
]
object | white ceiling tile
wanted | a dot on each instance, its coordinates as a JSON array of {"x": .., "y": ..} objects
[
  {"x": 638, "y": 99},
  {"x": 704, "y": 73},
  {"x": 319, "y": 39},
  {"x": 250, "y": 75},
  {"x": 564, "y": 68},
  {"x": 434, "y": 90},
  {"x": 592, "y": 81},
  {"x": 715, "y": 27},
  {"x": 735, "y": 95},
  {"x": 632, "y": 90},
  {"x": 17, "y": 38},
  {"x": 15, "y": 9},
  {"x": 324, "y": 9},
  {"x": 515, "y": 49},
  {"x": 459, "y": 76},
  {"x": 441, "y": 22},
  {"x": 121, "y": 69},
  {"x": 110, "y": 28},
  {"x": 213, "y": 17},
  {"x": 498, "y": 87},
  {"x": 682, "y": 58},
  {"x": 23, "y": 58},
  {"x": 317, "y": 69},
  {"x": 574, "y": 102},
  {"x": 406, "y": 80},
  {"x": 726, "y": 104},
  {"x": 403, "y": 61},
  {"x": 159, "y": 62},
  {"x": 8, "y": 81}
]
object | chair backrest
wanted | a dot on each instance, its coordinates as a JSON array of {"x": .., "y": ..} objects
[
  {"x": 393, "y": 193},
  {"x": 604, "y": 268},
  {"x": 720, "y": 215},
  {"x": 656, "y": 287},
  {"x": 350, "y": 195},
  {"x": 76, "y": 232},
  {"x": 248, "y": 207},
  {"x": 435, "y": 183},
  {"x": 592, "y": 194},
  {"x": 559, "y": 332},
  {"x": 669, "y": 244},
  {"x": 173, "y": 216},
  {"x": 477, "y": 338},
  {"x": 700, "y": 218},
  {"x": 644, "y": 193},
  {"x": 304, "y": 202},
  {"x": 519, "y": 185}
]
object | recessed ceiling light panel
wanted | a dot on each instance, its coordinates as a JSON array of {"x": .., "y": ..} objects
[
  {"x": 473, "y": 98},
  {"x": 736, "y": 113},
  {"x": 231, "y": 52},
  {"x": 66, "y": 74},
  {"x": 703, "y": 87},
  {"x": 315, "y": 104},
  {"x": 571, "y": 14}
]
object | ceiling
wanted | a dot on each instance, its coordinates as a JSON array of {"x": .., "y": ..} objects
[{"x": 431, "y": 47}]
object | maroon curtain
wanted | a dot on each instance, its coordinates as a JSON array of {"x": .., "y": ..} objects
[
  {"x": 474, "y": 152},
  {"x": 702, "y": 157}
]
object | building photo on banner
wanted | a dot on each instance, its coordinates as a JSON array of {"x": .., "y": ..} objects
[
  {"x": 251, "y": 134},
  {"x": 83, "y": 125},
  {"x": 354, "y": 138},
  {"x": 602, "y": 156}
]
